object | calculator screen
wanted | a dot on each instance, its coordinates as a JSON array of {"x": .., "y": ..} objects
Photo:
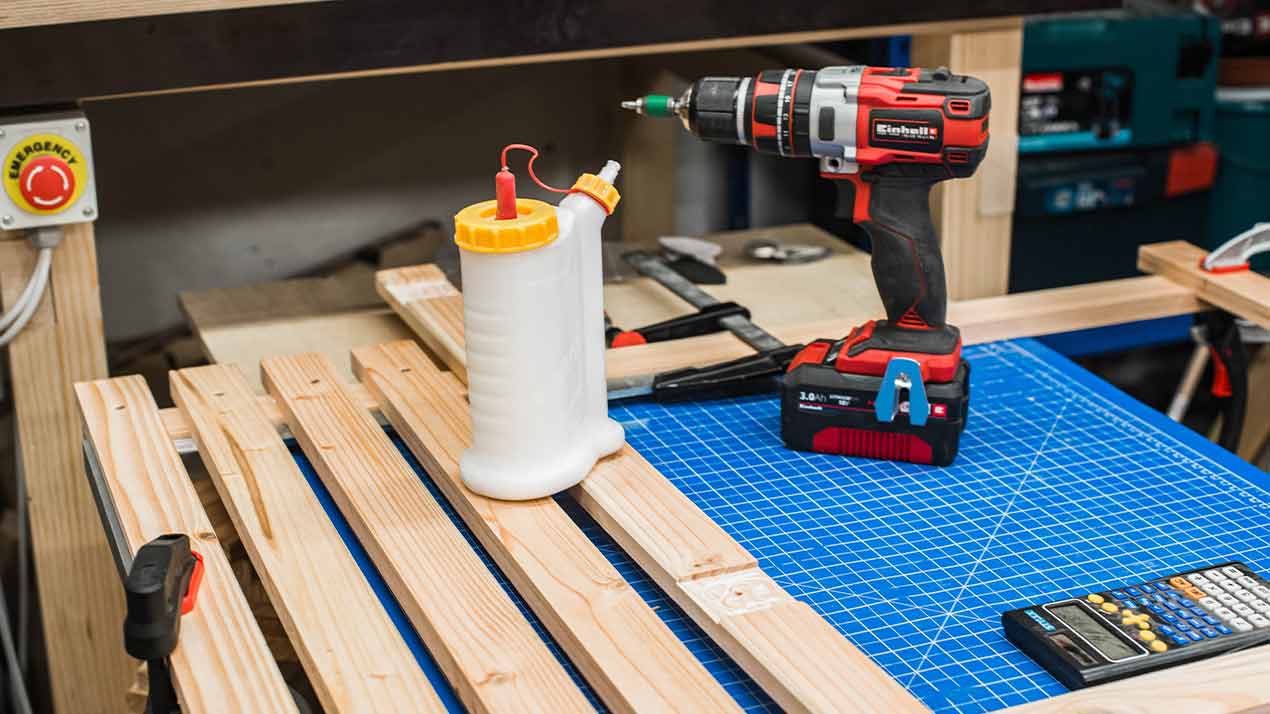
[{"x": 1107, "y": 642}]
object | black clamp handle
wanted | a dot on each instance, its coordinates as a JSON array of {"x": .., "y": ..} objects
[{"x": 161, "y": 586}]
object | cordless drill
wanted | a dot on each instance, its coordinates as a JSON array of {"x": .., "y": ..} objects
[{"x": 895, "y": 388}]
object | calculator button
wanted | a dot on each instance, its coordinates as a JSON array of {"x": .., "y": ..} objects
[
  {"x": 1232, "y": 571},
  {"x": 1109, "y": 608},
  {"x": 1158, "y": 646},
  {"x": 1223, "y": 629},
  {"x": 1147, "y": 587},
  {"x": 1261, "y": 607},
  {"x": 1240, "y": 625},
  {"x": 1199, "y": 612},
  {"x": 1242, "y": 609},
  {"x": 1208, "y": 602},
  {"x": 1262, "y": 590},
  {"x": 1132, "y": 619},
  {"x": 1197, "y": 578},
  {"x": 1197, "y": 624},
  {"x": 1195, "y": 593},
  {"x": 1181, "y": 626},
  {"x": 1169, "y": 618},
  {"x": 1245, "y": 596},
  {"x": 1133, "y": 591},
  {"x": 1156, "y": 609},
  {"x": 1186, "y": 603},
  {"x": 1231, "y": 586},
  {"x": 1095, "y": 598},
  {"x": 1175, "y": 605},
  {"x": 1259, "y": 620},
  {"x": 1210, "y": 620},
  {"x": 1178, "y": 581},
  {"x": 1146, "y": 635},
  {"x": 1226, "y": 598},
  {"x": 1195, "y": 636},
  {"x": 1247, "y": 582},
  {"x": 1128, "y": 604},
  {"x": 1166, "y": 630},
  {"x": 1179, "y": 641},
  {"x": 1118, "y": 594},
  {"x": 1225, "y": 613},
  {"x": 1210, "y": 632},
  {"x": 1215, "y": 574}
]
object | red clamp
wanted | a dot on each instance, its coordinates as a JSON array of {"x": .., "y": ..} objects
[{"x": 190, "y": 599}]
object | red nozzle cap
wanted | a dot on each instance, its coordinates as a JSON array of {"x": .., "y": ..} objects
[{"x": 505, "y": 192}]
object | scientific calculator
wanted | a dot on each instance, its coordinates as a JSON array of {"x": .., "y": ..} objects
[{"x": 1117, "y": 633}]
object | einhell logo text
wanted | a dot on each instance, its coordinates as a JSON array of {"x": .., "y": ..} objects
[{"x": 891, "y": 130}]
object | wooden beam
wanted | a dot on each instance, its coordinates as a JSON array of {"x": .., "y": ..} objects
[
  {"x": 449, "y": 594},
  {"x": 81, "y": 601},
  {"x": 354, "y": 656},
  {"x": 1226, "y": 684},
  {"x": 438, "y": 317},
  {"x": 624, "y": 650},
  {"x": 797, "y": 657},
  {"x": 974, "y": 215},
  {"x": 28, "y": 13},
  {"x": 1244, "y": 293},
  {"x": 221, "y": 662},
  {"x": 439, "y": 321}
]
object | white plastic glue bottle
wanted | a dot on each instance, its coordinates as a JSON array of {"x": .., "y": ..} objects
[{"x": 533, "y": 318}]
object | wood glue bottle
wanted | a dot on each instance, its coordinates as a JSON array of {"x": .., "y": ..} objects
[{"x": 533, "y": 319}]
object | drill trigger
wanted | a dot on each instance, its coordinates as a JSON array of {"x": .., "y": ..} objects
[{"x": 902, "y": 373}]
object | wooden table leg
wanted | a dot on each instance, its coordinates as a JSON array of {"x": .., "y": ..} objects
[
  {"x": 974, "y": 215},
  {"x": 80, "y": 592}
]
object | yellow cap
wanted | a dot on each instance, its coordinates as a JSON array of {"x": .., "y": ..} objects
[
  {"x": 476, "y": 227},
  {"x": 599, "y": 189}
]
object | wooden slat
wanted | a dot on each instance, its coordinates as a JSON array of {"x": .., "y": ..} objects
[
  {"x": 423, "y": 297},
  {"x": 624, "y": 650},
  {"x": 1243, "y": 293},
  {"x": 354, "y": 656},
  {"x": 27, "y": 13},
  {"x": 221, "y": 662},
  {"x": 1228, "y": 684},
  {"x": 793, "y": 653},
  {"x": 486, "y": 647},
  {"x": 974, "y": 215},
  {"x": 1027, "y": 314},
  {"x": 81, "y": 603}
]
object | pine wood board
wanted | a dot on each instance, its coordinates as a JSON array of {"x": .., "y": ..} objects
[
  {"x": 974, "y": 215},
  {"x": 630, "y": 657},
  {"x": 27, "y": 13},
  {"x": 221, "y": 662},
  {"x": 486, "y": 647},
  {"x": 352, "y": 652},
  {"x": 81, "y": 603},
  {"x": 981, "y": 320},
  {"x": 1244, "y": 293},
  {"x": 796, "y": 656}
]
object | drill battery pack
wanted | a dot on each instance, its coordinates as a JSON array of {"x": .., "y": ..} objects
[{"x": 829, "y": 406}]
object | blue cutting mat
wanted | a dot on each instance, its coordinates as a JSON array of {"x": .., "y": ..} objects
[{"x": 1063, "y": 485}]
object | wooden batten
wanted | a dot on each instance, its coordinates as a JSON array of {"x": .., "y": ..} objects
[
  {"x": 449, "y": 594},
  {"x": 354, "y": 656}
]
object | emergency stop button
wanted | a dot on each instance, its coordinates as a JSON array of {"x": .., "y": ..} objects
[
  {"x": 45, "y": 174},
  {"x": 47, "y": 182}
]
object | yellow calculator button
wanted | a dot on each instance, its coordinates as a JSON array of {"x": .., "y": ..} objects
[
  {"x": 1195, "y": 593},
  {"x": 1110, "y": 608},
  {"x": 1146, "y": 635},
  {"x": 1179, "y": 582},
  {"x": 1095, "y": 598},
  {"x": 1158, "y": 646}
]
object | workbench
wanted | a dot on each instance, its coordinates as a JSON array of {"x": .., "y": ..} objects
[{"x": 763, "y": 578}]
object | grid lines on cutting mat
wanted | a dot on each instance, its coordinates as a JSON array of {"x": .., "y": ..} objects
[{"x": 1063, "y": 486}]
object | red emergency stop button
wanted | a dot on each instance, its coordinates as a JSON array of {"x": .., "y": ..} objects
[{"x": 47, "y": 182}]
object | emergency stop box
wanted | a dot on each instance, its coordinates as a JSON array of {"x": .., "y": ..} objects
[{"x": 48, "y": 173}]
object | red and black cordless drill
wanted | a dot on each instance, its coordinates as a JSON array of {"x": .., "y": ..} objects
[{"x": 894, "y": 388}]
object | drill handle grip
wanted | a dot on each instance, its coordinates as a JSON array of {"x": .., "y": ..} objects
[{"x": 907, "y": 265}]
